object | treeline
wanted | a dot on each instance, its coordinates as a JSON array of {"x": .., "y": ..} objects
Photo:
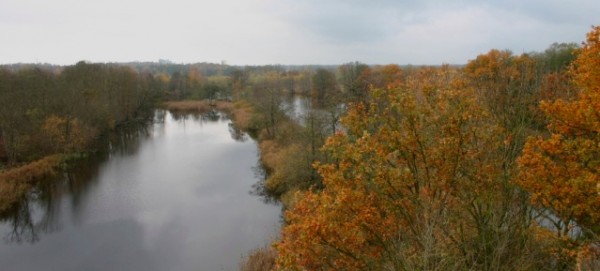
[
  {"x": 50, "y": 111},
  {"x": 218, "y": 81},
  {"x": 488, "y": 166},
  {"x": 50, "y": 114},
  {"x": 289, "y": 149}
]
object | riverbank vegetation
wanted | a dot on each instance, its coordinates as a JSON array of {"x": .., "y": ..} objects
[
  {"x": 17, "y": 181},
  {"x": 49, "y": 113}
]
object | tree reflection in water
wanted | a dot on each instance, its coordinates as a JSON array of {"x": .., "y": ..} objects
[
  {"x": 208, "y": 116},
  {"x": 23, "y": 228},
  {"x": 212, "y": 116},
  {"x": 258, "y": 189},
  {"x": 39, "y": 211},
  {"x": 237, "y": 134},
  {"x": 181, "y": 203}
]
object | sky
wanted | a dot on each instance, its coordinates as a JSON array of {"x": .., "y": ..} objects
[{"x": 288, "y": 32}]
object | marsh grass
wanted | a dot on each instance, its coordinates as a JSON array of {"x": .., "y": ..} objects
[{"x": 15, "y": 182}]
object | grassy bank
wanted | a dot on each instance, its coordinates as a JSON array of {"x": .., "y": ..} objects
[
  {"x": 285, "y": 154},
  {"x": 241, "y": 114},
  {"x": 15, "y": 182}
]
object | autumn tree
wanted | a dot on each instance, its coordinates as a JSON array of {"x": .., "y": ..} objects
[
  {"x": 561, "y": 171},
  {"x": 508, "y": 86},
  {"x": 387, "y": 76},
  {"x": 43, "y": 112},
  {"x": 67, "y": 135},
  {"x": 417, "y": 184}
]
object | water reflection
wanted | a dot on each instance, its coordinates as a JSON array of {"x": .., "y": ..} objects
[
  {"x": 126, "y": 141},
  {"x": 171, "y": 195},
  {"x": 258, "y": 188},
  {"x": 208, "y": 116},
  {"x": 303, "y": 111},
  {"x": 22, "y": 227},
  {"x": 39, "y": 211}
]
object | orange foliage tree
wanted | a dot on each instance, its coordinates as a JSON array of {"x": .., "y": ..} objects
[
  {"x": 562, "y": 171},
  {"x": 508, "y": 86},
  {"x": 387, "y": 76},
  {"x": 67, "y": 134},
  {"x": 416, "y": 186}
]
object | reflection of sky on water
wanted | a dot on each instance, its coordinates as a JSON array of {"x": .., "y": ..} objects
[
  {"x": 180, "y": 202},
  {"x": 299, "y": 109}
]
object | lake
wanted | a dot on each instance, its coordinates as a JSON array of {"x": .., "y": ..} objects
[{"x": 173, "y": 196}]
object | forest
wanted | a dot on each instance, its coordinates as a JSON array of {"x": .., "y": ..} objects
[
  {"x": 487, "y": 166},
  {"x": 491, "y": 165}
]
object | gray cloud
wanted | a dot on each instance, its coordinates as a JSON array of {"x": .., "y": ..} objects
[
  {"x": 285, "y": 31},
  {"x": 351, "y": 21}
]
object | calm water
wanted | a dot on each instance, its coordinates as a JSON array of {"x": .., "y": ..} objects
[
  {"x": 175, "y": 197},
  {"x": 299, "y": 107}
]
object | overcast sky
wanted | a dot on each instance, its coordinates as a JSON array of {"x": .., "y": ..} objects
[{"x": 285, "y": 31}]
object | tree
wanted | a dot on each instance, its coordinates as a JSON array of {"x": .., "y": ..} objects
[
  {"x": 12, "y": 116},
  {"x": 66, "y": 135},
  {"x": 239, "y": 79},
  {"x": 417, "y": 184},
  {"x": 553, "y": 65},
  {"x": 63, "y": 112},
  {"x": 324, "y": 87},
  {"x": 508, "y": 86},
  {"x": 557, "y": 57},
  {"x": 388, "y": 76},
  {"x": 266, "y": 98},
  {"x": 562, "y": 171},
  {"x": 194, "y": 81},
  {"x": 354, "y": 78},
  {"x": 326, "y": 97},
  {"x": 177, "y": 86}
]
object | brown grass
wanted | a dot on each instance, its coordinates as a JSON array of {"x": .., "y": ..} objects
[
  {"x": 242, "y": 113},
  {"x": 193, "y": 106},
  {"x": 270, "y": 153},
  {"x": 15, "y": 182},
  {"x": 260, "y": 259}
]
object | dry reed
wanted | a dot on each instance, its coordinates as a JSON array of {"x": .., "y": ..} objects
[{"x": 15, "y": 182}]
